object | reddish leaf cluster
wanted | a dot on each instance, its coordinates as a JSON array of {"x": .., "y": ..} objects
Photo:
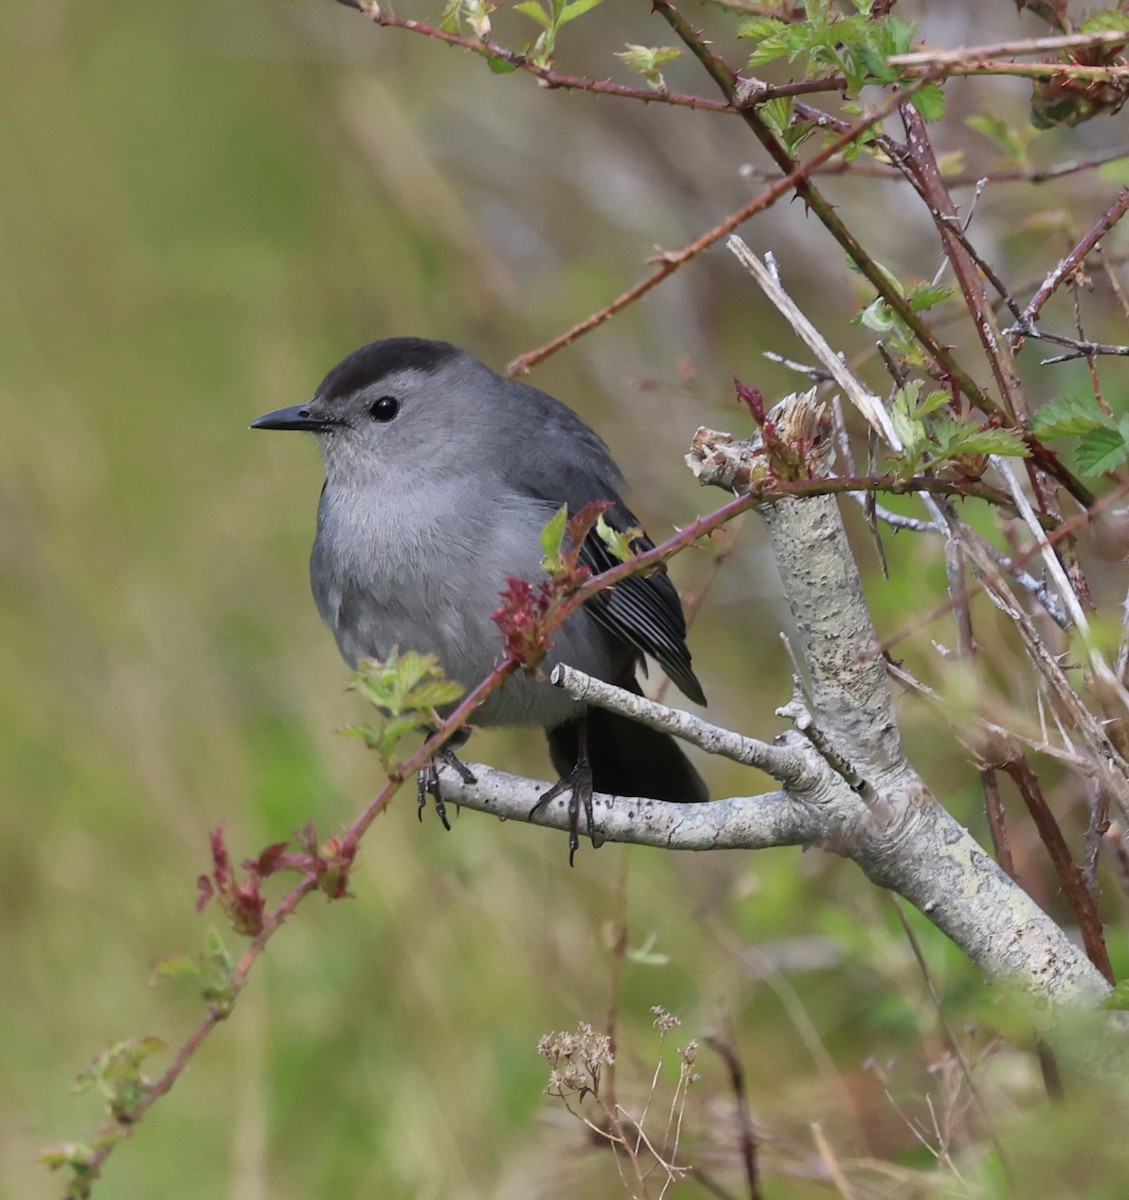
[
  {"x": 526, "y": 613},
  {"x": 580, "y": 525},
  {"x": 523, "y": 619},
  {"x": 785, "y": 454},
  {"x": 243, "y": 900},
  {"x": 330, "y": 863},
  {"x": 753, "y": 398}
]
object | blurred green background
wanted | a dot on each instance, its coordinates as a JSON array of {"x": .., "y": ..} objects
[{"x": 202, "y": 208}]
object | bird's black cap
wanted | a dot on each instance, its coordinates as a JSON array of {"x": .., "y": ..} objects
[{"x": 378, "y": 359}]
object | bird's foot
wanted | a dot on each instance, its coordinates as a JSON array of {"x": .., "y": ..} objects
[
  {"x": 578, "y": 783},
  {"x": 427, "y": 781}
]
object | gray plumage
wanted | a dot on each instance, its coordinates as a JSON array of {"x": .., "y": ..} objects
[{"x": 440, "y": 476}]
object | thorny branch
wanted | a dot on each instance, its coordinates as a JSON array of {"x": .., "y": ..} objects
[
  {"x": 671, "y": 260},
  {"x": 1069, "y": 264}
]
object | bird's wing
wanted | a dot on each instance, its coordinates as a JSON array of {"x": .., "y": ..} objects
[
  {"x": 644, "y": 611},
  {"x": 565, "y": 462}
]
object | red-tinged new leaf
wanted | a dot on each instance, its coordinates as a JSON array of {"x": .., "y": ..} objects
[{"x": 272, "y": 859}]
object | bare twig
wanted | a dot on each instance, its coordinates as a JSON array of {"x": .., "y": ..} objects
[
  {"x": 1095, "y": 835},
  {"x": 997, "y": 821},
  {"x": 670, "y": 261},
  {"x": 746, "y": 1135},
  {"x": 1069, "y": 264},
  {"x": 727, "y": 80},
  {"x": 1070, "y": 878},
  {"x": 548, "y": 76},
  {"x": 988, "y": 574},
  {"x": 954, "y": 1046},
  {"x": 831, "y": 1163},
  {"x": 864, "y": 400},
  {"x": 934, "y": 56},
  {"x": 1067, "y": 589},
  {"x": 1032, "y": 174},
  {"x": 926, "y": 176}
]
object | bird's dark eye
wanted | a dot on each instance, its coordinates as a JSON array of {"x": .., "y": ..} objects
[{"x": 385, "y": 408}]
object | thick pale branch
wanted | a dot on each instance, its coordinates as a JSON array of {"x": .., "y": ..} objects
[
  {"x": 874, "y": 808},
  {"x": 851, "y": 696},
  {"x": 907, "y": 842},
  {"x": 747, "y": 822}
]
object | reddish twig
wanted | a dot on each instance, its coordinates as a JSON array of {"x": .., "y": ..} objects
[
  {"x": 876, "y": 170},
  {"x": 1069, "y": 876},
  {"x": 1070, "y": 263},
  {"x": 767, "y": 491},
  {"x": 920, "y": 166},
  {"x": 727, "y": 80},
  {"x": 1095, "y": 834},
  {"x": 670, "y": 261},
  {"x": 926, "y": 175},
  {"x": 746, "y": 1134},
  {"x": 997, "y": 822},
  {"x": 548, "y": 76},
  {"x": 274, "y": 920}
]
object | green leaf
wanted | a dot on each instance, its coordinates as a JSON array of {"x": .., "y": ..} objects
[
  {"x": 1011, "y": 141},
  {"x": 618, "y": 543},
  {"x": 760, "y": 28},
  {"x": 789, "y": 42},
  {"x": 552, "y": 539},
  {"x": 646, "y": 60},
  {"x": 1069, "y": 416},
  {"x": 576, "y": 8},
  {"x": 1005, "y": 442},
  {"x": 777, "y": 114},
  {"x": 930, "y": 101},
  {"x": 1102, "y": 450},
  {"x": 116, "y": 1075},
  {"x": 898, "y": 34},
  {"x": 408, "y": 683},
  {"x": 169, "y": 967},
  {"x": 923, "y": 296},
  {"x": 1109, "y": 20},
  {"x": 499, "y": 66},
  {"x": 534, "y": 10},
  {"x": 909, "y": 427},
  {"x": 878, "y": 316},
  {"x": 906, "y": 396},
  {"x": 434, "y": 693},
  {"x": 932, "y": 402},
  {"x": 406, "y": 690},
  {"x": 646, "y": 955}
]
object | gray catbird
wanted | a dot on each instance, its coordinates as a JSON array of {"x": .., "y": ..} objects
[{"x": 440, "y": 476}]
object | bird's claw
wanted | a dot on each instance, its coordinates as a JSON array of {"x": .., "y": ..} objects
[
  {"x": 427, "y": 781},
  {"x": 578, "y": 783}
]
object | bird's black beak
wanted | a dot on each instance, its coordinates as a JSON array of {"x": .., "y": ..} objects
[{"x": 296, "y": 417}]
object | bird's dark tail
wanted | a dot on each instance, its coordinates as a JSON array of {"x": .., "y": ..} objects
[{"x": 627, "y": 758}]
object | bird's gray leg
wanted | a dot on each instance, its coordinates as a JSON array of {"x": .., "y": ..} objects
[
  {"x": 427, "y": 780},
  {"x": 578, "y": 783}
]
